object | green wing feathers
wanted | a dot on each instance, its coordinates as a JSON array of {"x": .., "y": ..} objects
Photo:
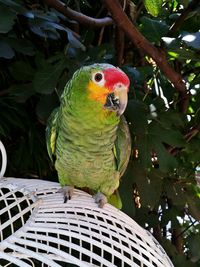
[
  {"x": 122, "y": 151},
  {"x": 122, "y": 146},
  {"x": 51, "y": 133}
]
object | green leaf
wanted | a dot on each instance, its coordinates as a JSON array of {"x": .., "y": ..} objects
[
  {"x": 153, "y": 29},
  {"x": 182, "y": 261},
  {"x": 171, "y": 43},
  {"x": 155, "y": 177},
  {"x": 152, "y": 141},
  {"x": 167, "y": 135},
  {"x": 22, "y": 71},
  {"x": 144, "y": 146},
  {"x": 183, "y": 54},
  {"x": 193, "y": 201},
  {"x": 175, "y": 192},
  {"x": 192, "y": 23},
  {"x": 138, "y": 75},
  {"x": 6, "y": 51},
  {"x": 126, "y": 192},
  {"x": 166, "y": 161},
  {"x": 21, "y": 92},
  {"x": 154, "y": 7},
  {"x": 170, "y": 119},
  {"x": 193, "y": 243},
  {"x": 45, "y": 106},
  {"x": 169, "y": 215},
  {"x": 184, "y": 2},
  {"x": 12, "y": 115},
  {"x": 23, "y": 46},
  {"x": 149, "y": 184},
  {"x": 45, "y": 80},
  {"x": 74, "y": 41},
  {"x": 169, "y": 247},
  {"x": 7, "y": 19},
  {"x": 136, "y": 114},
  {"x": 158, "y": 136},
  {"x": 14, "y": 6},
  {"x": 43, "y": 28}
]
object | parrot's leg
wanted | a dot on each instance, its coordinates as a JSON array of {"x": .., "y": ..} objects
[
  {"x": 100, "y": 199},
  {"x": 68, "y": 192}
]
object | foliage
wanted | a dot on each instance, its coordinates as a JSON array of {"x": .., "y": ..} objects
[{"x": 40, "y": 48}]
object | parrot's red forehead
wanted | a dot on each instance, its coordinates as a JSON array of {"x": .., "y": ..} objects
[{"x": 113, "y": 76}]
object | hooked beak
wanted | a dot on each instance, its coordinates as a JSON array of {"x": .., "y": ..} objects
[{"x": 117, "y": 100}]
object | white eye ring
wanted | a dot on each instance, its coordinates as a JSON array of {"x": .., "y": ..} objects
[{"x": 98, "y": 78}]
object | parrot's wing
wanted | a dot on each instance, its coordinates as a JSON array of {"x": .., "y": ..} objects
[
  {"x": 51, "y": 133},
  {"x": 122, "y": 146}
]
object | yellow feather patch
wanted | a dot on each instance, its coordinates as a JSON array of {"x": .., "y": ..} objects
[{"x": 98, "y": 93}]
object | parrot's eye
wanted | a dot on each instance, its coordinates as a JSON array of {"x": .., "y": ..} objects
[{"x": 98, "y": 77}]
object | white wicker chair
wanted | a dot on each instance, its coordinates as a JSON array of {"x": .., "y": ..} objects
[{"x": 38, "y": 229}]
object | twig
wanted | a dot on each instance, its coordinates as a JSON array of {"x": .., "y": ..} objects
[
  {"x": 185, "y": 230},
  {"x": 142, "y": 43},
  {"x": 140, "y": 6},
  {"x": 101, "y": 36},
  {"x": 77, "y": 16},
  {"x": 193, "y": 132},
  {"x": 177, "y": 24}
]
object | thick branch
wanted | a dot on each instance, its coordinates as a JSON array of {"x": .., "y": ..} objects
[
  {"x": 119, "y": 46},
  {"x": 142, "y": 43},
  {"x": 177, "y": 24},
  {"x": 77, "y": 16}
]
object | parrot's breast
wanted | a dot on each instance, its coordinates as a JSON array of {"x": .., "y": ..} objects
[{"x": 84, "y": 149}]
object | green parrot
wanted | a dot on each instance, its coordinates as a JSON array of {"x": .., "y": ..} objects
[{"x": 87, "y": 137}]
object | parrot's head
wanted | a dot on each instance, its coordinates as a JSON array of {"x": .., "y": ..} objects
[{"x": 108, "y": 85}]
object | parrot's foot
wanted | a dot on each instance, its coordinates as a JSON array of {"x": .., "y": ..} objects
[
  {"x": 68, "y": 192},
  {"x": 100, "y": 199}
]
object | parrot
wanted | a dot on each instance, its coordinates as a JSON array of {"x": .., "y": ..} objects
[{"x": 87, "y": 136}]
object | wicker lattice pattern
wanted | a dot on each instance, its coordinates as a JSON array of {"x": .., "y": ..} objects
[
  {"x": 38, "y": 229},
  {"x": 3, "y": 160}
]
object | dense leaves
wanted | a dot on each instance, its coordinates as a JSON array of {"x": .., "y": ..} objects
[
  {"x": 40, "y": 49},
  {"x": 154, "y": 7}
]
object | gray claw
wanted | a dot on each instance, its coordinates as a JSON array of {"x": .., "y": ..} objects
[
  {"x": 100, "y": 199},
  {"x": 68, "y": 192}
]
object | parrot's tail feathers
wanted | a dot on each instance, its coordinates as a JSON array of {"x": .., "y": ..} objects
[{"x": 115, "y": 200}]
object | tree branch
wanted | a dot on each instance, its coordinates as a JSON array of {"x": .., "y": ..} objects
[
  {"x": 177, "y": 24},
  {"x": 119, "y": 46},
  {"x": 192, "y": 133},
  {"x": 77, "y": 16},
  {"x": 142, "y": 43}
]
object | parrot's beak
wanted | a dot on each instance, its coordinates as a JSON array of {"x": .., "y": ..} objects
[{"x": 117, "y": 100}]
